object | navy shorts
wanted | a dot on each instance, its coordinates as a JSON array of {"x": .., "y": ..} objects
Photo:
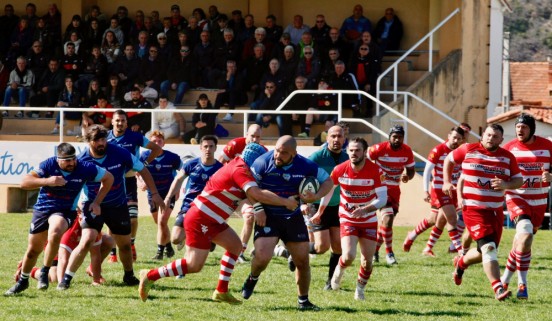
[
  {"x": 153, "y": 207},
  {"x": 39, "y": 222},
  {"x": 116, "y": 218},
  {"x": 131, "y": 189},
  {"x": 286, "y": 228},
  {"x": 329, "y": 219}
]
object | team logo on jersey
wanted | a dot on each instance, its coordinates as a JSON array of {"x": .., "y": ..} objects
[
  {"x": 204, "y": 229},
  {"x": 158, "y": 167},
  {"x": 286, "y": 176},
  {"x": 204, "y": 177},
  {"x": 266, "y": 229}
]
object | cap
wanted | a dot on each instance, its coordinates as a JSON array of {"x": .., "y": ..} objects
[
  {"x": 175, "y": 7},
  {"x": 251, "y": 152},
  {"x": 203, "y": 96},
  {"x": 529, "y": 121},
  {"x": 397, "y": 129}
]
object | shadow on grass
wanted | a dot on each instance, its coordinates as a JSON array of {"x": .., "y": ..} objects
[{"x": 421, "y": 314}]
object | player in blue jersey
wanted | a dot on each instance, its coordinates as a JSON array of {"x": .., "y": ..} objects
[
  {"x": 327, "y": 234},
  {"x": 114, "y": 207},
  {"x": 198, "y": 171},
  {"x": 163, "y": 170},
  {"x": 61, "y": 180},
  {"x": 130, "y": 140},
  {"x": 281, "y": 171}
]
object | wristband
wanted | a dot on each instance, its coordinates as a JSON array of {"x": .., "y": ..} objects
[
  {"x": 146, "y": 163},
  {"x": 257, "y": 207}
]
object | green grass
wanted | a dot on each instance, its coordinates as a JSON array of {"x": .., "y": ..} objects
[{"x": 419, "y": 288}]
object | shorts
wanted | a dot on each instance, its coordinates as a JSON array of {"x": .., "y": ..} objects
[
  {"x": 201, "y": 229},
  {"x": 518, "y": 206},
  {"x": 286, "y": 228},
  {"x": 39, "y": 222},
  {"x": 329, "y": 219},
  {"x": 365, "y": 231},
  {"x": 131, "y": 189},
  {"x": 484, "y": 222},
  {"x": 71, "y": 238},
  {"x": 116, "y": 218},
  {"x": 180, "y": 218},
  {"x": 393, "y": 199},
  {"x": 439, "y": 199},
  {"x": 153, "y": 207}
]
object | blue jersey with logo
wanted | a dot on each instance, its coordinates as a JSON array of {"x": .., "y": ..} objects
[
  {"x": 284, "y": 181},
  {"x": 198, "y": 175},
  {"x": 62, "y": 198},
  {"x": 117, "y": 161},
  {"x": 163, "y": 170},
  {"x": 131, "y": 141}
]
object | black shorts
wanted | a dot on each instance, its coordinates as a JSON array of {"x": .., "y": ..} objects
[
  {"x": 329, "y": 219},
  {"x": 39, "y": 222},
  {"x": 116, "y": 218},
  {"x": 131, "y": 189},
  {"x": 286, "y": 228},
  {"x": 153, "y": 207}
]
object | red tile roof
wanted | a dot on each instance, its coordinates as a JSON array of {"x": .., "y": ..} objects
[
  {"x": 531, "y": 81},
  {"x": 543, "y": 114}
]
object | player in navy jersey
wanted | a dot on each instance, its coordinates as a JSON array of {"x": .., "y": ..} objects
[
  {"x": 198, "y": 171},
  {"x": 114, "y": 207},
  {"x": 281, "y": 171},
  {"x": 130, "y": 140},
  {"x": 60, "y": 179},
  {"x": 163, "y": 170}
]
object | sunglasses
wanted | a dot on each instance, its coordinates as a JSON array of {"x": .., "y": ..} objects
[
  {"x": 363, "y": 49},
  {"x": 308, "y": 53}
]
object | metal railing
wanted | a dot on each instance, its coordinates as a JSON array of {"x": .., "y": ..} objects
[{"x": 395, "y": 66}]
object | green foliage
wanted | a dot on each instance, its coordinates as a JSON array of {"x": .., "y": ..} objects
[{"x": 418, "y": 288}]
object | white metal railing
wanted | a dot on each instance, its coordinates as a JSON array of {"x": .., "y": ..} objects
[{"x": 395, "y": 66}]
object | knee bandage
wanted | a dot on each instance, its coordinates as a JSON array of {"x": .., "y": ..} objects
[
  {"x": 489, "y": 252},
  {"x": 133, "y": 211},
  {"x": 524, "y": 227}
]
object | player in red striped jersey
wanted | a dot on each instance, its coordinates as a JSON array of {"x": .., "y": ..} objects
[
  {"x": 393, "y": 157},
  {"x": 362, "y": 194},
  {"x": 205, "y": 222},
  {"x": 527, "y": 204},
  {"x": 487, "y": 170}
]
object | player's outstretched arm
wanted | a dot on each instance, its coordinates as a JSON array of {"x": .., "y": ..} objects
[
  {"x": 32, "y": 181},
  {"x": 267, "y": 197}
]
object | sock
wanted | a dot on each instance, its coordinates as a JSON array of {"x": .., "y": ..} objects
[
  {"x": 433, "y": 237},
  {"x": 497, "y": 285},
  {"x": 523, "y": 262},
  {"x": 174, "y": 268},
  {"x": 307, "y": 129},
  {"x": 420, "y": 228},
  {"x": 379, "y": 240},
  {"x": 510, "y": 267},
  {"x": 25, "y": 276},
  {"x": 334, "y": 261},
  {"x": 302, "y": 298},
  {"x": 160, "y": 248},
  {"x": 227, "y": 264},
  {"x": 129, "y": 273},
  {"x": 45, "y": 269},
  {"x": 461, "y": 264},
  {"x": 387, "y": 234},
  {"x": 363, "y": 277},
  {"x": 456, "y": 239},
  {"x": 33, "y": 273},
  {"x": 168, "y": 246},
  {"x": 68, "y": 277}
]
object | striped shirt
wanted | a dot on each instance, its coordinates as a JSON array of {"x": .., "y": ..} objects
[
  {"x": 437, "y": 157},
  {"x": 532, "y": 159},
  {"x": 479, "y": 167},
  {"x": 392, "y": 162}
]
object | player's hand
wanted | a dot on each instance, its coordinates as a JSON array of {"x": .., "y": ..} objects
[
  {"x": 358, "y": 212},
  {"x": 56, "y": 181},
  {"x": 167, "y": 202},
  {"x": 316, "y": 218},
  {"x": 260, "y": 218},
  {"x": 545, "y": 177},
  {"x": 404, "y": 178},
  {"x": 449, "y": 189},
  {"x": 135, "y": 128},
  {"x": 427, "y": 197},
  {"x": 308, "y": 197},
  {"x": 141, "y": 184},
  {"x": 158, "y": 201},
  {"x": 305, "y": 209},
  {"x": 497, "y": 183},
  {"x": 291, "y": 203},
  {"x": 95, "y": 208}
]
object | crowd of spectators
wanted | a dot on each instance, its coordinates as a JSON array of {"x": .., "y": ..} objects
[{"x": 102, "y": 57}]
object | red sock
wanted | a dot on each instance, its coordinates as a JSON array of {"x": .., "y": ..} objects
[
  {"x": 341, "y": 263},
  {"x": 456, "y": 239},
  {"x": 227, "y": 264},
  {"x": 379, "y": 239},
  {"x": 433, "y": 237},
  {"x": 422, "y": 226},
  {"x": 387, "y": 234},
  {"x": 511, "y": 262},
  {"x": 174, "y": 268},
  {"x": 496, "y": 284},
  {"x": 33, "y": 272},
  {"x": 363, "y": 276}
]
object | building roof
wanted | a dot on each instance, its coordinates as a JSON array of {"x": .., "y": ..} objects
[
  {"x": 531, "y": 81},
  {"x": 542, "y": 114}
]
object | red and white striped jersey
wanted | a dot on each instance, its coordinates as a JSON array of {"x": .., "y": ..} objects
[
  {"x": 479, "y": 166},
  {"x": 392, "y": 162},
  {"x": 532, "y": 159},
  {"x": 357, "y": 189},
  {"x": 234, "y": 148},
  {"x": 224, "y": 190},
  {"x": 437, "y": 157}
]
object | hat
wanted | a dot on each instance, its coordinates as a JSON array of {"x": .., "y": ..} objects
[
  {"x": 397, "y": 129},
  {"x": 529, "y": 121},
  {"x": 203, "y": 96},
  {"x": 251, "y": 152},
  {"x": 175, "y": 7},
  {"x": 161, "y": 35}
]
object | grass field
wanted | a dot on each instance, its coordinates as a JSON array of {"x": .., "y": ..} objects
[{"x": 418, "y": 288}]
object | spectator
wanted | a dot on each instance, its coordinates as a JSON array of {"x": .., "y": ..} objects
[
  {"x": 30, "y": 15},
  {"x": 76, "y": 40},
  {"x": 255, "y": 67},
  {"x": 103, "y": 118},
  {"x": 183, "y": 40},
  {"x": 150, "y": 94},
  {"x": 137, "y": 26},
  {"x": 37, "y": 61},
  {"x": 69, "y": 97},
  {"x": 321, "y": 102},
  {"x": 306, "y": 40},
  {"x": 278, "y": 51},
  {"x": 337, "y": 42},
  {"x": 236, "y": 23},
  {"x": 248, "y": 30},
  {"x": 53, "y": 22},
  {"x": 214, "y": 15},
  {"x": 193, "y": 31},
  {"x": 4, "y": 78},
  {"x": 153, "y": 69},
  {"x": 116, "y": 30},
  {"x": 217, "y": 34},
  {"x": 75, "y": 25},
  {"x": 276, "y": 75},
  {"x": 157, "y": 23},
  {"x": 328, "y": 64},
  {"x": 43, "y": 34},
  {"x": 229, "y": 49},
  {"x": 71, "y": 62},
  {"x": 203, "y": 123},
  {"x": 115, "y": 92},
  {"x": 96, "y": 13},
  {"x": 270, "y": 100},
  {"x": 353, "y": 26},
  {"x": 365, "y": 68},
  {"x": 20, "y": 83},
  {"x": 165, "y": 49},
  {"x": 8, "y": 22},
  {"x": 232, "y": 85},
  {"x": 389, "y": 31},
  {"x": 346, "y": 81},
  {"x": 123, "y": 21},
  {"x": 202, "y": 22},
  {"x": 110, "y": 47},
  {"x": 138, "y": 121},
  {"x": 309, "y": 67},
  {"x": 150, "y": 28},
  {"x": 260, "y": 38},
  {"x": 273, "y": 31},
  {"x": 170, "y": 124},
  {"x": 127, "y": 68},
  {"x": 47, "y": 88},
  {"x": 90, "y": 97},
  {"x": 21, "y": 40},
  {"x": 170, "y": 31},
  {"x": 177, "y": 21},
  {"x": 299, "y": 101},
  {"x": 204, "y": 57},
  {"x": 288, "y": 66},
  {"x": 296, "y": 29},
  {"x": 94, "y": 34},
  {"x": 95, "y": 67},
  {"x": 142, "y": 47},
  {"x": 374, "y": 50},
  {"x": 321, "y": 34},
  {"x": 180, "y": 75}
]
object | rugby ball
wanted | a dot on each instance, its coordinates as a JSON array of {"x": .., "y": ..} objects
[{"x": 310, "y": 184}]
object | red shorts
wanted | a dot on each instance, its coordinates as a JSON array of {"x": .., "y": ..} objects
[
  {"x": 201, "y": 229},
  {"x": 71, "y": 238},
  {"x": 393, "y": 198},
  {"x": 368, "y": 231},
  {"x": 439, "y": 199},
  {"x": 518, "y": 206},
  {"x": 484, "y": 222}
]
